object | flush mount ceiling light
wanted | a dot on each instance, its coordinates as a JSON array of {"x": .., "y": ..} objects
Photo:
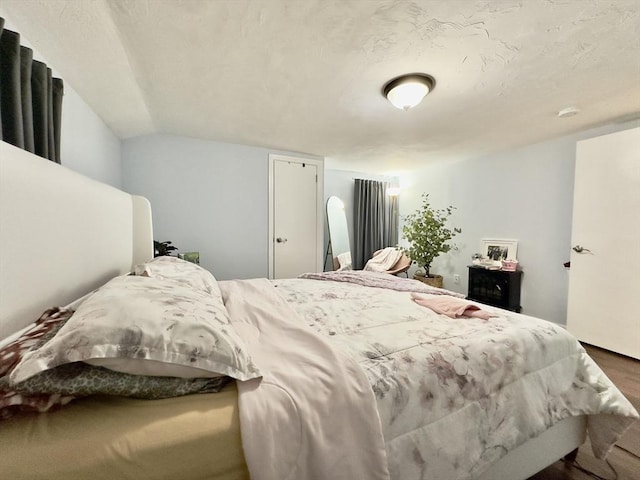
[{"x": 407, "y": 91}]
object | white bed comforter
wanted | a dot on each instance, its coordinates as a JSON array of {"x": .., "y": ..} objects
[
  {"x": 455, "y": 395},
  {"x": 313, "y": 414}
]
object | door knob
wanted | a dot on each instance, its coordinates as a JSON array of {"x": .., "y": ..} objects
[
  {"x": 281, "y": 240},
  {"x": 581, "y": 249}
]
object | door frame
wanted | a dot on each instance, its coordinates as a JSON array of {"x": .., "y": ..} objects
[{"x": 319, "y": 163}]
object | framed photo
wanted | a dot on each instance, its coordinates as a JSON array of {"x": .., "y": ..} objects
[{"x": 497, "y": 250}]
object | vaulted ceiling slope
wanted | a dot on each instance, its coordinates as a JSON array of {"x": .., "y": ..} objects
[{"x": 306, "y": 75}]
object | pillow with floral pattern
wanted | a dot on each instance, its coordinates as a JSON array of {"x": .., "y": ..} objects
[
  {"x": 56, "y": 387},
  {"x": 133, "y": 321},
  {"x": 178, "y": 270}
]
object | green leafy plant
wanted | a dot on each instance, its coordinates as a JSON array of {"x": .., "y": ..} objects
[
  {"x": 427, "y": 233},
  {"x": 163, "y": 248}
]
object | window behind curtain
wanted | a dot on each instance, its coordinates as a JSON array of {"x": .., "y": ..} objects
[
  {"x": 30, "y": 99},
  {"x": 376, "y": 220}
]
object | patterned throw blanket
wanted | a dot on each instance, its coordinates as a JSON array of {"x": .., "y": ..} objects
[{"x": 380, "y": 280}]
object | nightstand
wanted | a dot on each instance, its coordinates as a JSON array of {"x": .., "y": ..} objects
[{"x": 495, "y": 287}]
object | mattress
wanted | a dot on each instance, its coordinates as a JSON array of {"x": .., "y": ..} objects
[{"x": 188, "y": 438}]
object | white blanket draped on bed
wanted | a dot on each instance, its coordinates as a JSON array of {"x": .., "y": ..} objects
[{"x": 313, "y": 415}]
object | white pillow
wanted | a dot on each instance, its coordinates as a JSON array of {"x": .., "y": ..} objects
[
  {"x": 177, "y": 328},
  {"x": 151, "y": 368},
  {"x": 174, "y": 268}
]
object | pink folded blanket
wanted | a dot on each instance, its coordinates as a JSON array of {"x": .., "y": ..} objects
[{"x": 451, "y": 307}]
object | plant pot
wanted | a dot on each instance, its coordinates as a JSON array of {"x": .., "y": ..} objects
[{"x": 433, "y": 280}]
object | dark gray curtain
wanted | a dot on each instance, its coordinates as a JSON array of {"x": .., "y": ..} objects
[
  {"x": 12, "y": 126},
  {"x": 391, "y": 222},
  {"x": 376, "y": 220},
  {"x": 26, "y": 59},
  {"x": 30, "y": 99},
  {"x": 58, "y": 93}
]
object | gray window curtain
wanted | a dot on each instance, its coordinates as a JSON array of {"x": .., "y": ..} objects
[
  {"x": 376, "y": 220},
  {"x": 30, "y": 99}
]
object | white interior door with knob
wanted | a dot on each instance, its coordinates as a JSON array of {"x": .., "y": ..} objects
[
  {"x": 604, "y": 285},
  {"x": 295, "y": 223}
]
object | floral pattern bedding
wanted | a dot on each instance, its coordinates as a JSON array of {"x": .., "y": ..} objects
[
  {"x": 146, "y": 326},
  {"x": 455, "y": 395}
]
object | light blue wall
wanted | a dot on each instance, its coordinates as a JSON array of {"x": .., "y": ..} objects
[
  {"x": 87, "y": 145},
  {"x": 206, "y": 196},
  {"x": 524, "y": 194}
]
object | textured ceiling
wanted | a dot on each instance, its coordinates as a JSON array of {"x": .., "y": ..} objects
[{"x": 306, "y": 75}]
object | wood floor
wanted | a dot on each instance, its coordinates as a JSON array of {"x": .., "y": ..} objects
[{"x": 624, "y": 372}]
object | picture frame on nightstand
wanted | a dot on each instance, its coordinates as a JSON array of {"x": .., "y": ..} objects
[{"x": 498, "y": 250}]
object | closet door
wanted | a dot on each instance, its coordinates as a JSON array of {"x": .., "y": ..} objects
[
  {"x": 295, "y": 216},
  {"x": 604, "y": 285}
]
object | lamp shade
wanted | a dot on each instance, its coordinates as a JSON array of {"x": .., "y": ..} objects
[{"x": 407, "y": 91}]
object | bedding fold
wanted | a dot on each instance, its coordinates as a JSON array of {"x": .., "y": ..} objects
[
  {"x": 313, "y": 414},
  {"x": 380, "y": 280}
]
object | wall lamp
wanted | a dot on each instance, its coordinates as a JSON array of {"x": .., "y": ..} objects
[
  {"x": 407, "y": 91},
  {"x": 393, "y": 191}
]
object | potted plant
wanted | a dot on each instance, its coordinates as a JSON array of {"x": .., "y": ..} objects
[{"x": 428, "y": 236}]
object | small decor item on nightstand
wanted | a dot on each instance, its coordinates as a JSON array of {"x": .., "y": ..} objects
[
  {"x": 479, "y": 261},
  {"x": 509, "y": 265},
  {"x": 193, "y": 257}
]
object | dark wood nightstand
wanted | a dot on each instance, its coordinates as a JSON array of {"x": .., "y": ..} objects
[{"x": 495, "y": 287}]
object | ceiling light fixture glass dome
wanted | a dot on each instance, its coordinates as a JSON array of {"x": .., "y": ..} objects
[{"x": 407, "y": 91}]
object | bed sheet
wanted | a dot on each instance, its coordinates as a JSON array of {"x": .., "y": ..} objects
[{"x": 455, "y": 395}]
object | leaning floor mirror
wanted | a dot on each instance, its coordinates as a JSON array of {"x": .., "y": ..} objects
[{"x": 339, "y": 245}]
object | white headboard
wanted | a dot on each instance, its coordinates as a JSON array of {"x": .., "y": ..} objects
[{"x": 61, "y": 235}]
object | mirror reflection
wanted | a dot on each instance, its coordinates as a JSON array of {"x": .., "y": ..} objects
[{"x": 338, "y": 234}]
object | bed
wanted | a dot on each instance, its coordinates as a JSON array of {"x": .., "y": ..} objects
[{"x": 370, "y": 383}]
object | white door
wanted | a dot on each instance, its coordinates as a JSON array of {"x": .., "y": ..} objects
[
  {"x": 295, "y": 216},
  {"x": 604, "y": 285}
]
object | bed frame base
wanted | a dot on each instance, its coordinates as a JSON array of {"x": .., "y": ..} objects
[{"x": 561, "y": 440}]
